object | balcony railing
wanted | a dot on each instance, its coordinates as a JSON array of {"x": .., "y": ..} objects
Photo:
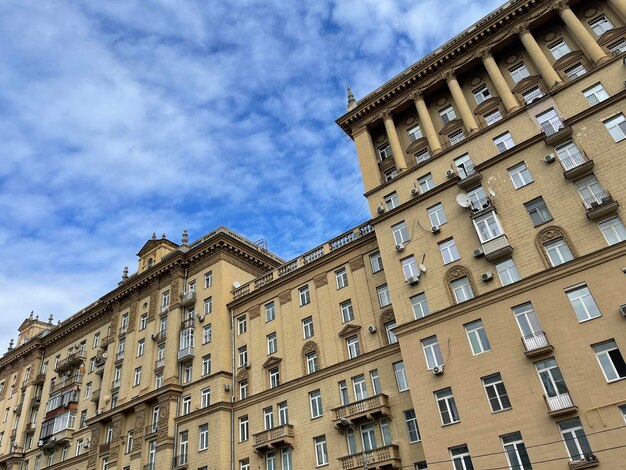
[
  {"x": 278, "y": 436},
  {"x": 123, "y": 329},
  {"x": 161, "y": 335},
  {"x": 39, "y": 378},
  {"x": 76, "y": 379},
  {"x": 480, "y": 204},
  {"x": 493, "y": 118},
  {"x": 185, "y": 354},
  {"x": 536, "y": 344},
  {"x": 181, "y": 461},
  {"x": 468, "y": 175},
  {"x": 188, "y": 298},
  {"x": 159, "y": 363},
  {"x": 560, "y": 404},
  {"x": 530, "y": 97},
  {"x": 363, "y": 409},
  {"x": 119, "y": 356},
  {"x": 108, "y": 339},
  {"x": 383, "y": 457},
  {"x": 575, "y": 165},
  {"x": 188, "y": 323},
  {"x": 600, "y": 205},
  {"x": 576, "y": 72},
  {"x": 116, "y": 383},
  {"x": 585, "y": 461},
  {"x": 555, "y": 130},
  {"x": 71, "y": 361}
]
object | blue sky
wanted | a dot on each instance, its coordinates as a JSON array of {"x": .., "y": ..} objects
[{"x": 123, "y": 118}]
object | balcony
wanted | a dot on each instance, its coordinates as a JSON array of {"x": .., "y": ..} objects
[
  {"x": 468, "y": 175},
  {"x": 150, "y": 466},
  {"x": 600, "y": 205},
  {"x": 497, "y": 248},
  {"x": 35, "y": 402},
  {"x": 576, "y": 165},
  {"x": 95, "y": 396},
  {"x": 164, "y": 309},
  {"x": 185, "y": 354},
  {"x": 58, "y": 439},
  {"x": 275, "y": 437},
  {"x": 123, "y": 329},
  {"x": 116, "y": 384},
  {"x": 180, "y": 461},
  {"x": 383, "y": 457},
  {"x": 160, "y": 336},
  {"x": 586, "y": 461},
  {"x": 104, "y": 447},
  {"x": 555, "y": 131},
  {"x": 30, "y": 427},
  {"x": 100, "y": 359},
  {"x": 119, "y": 356},
  {"x": 560, "y": 404},
  {"x": 99, "y": 370},
  {"x": 159, "y": 364},
  {"x": 536, "y": 344},
  {"x": 108, "y": 339},
  {"x": 39, "y": 379},
  {"x": 70, "y": 362},
  {"x": 18, "y": 409},
  {"x": 368, "y": 408},
  {"x": 188, "y": 298},
  {"x": 64, "y": 384},
  {"x": 188, "y": 323}
]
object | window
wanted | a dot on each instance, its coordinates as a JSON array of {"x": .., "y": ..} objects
[
  {"x": 551, "y": 378},
  {"x": 420, "y": 305},
  {"x": 462, "y": 289},
  {"x": 206, "y": 364},
  {"x": 391, "y": 337},
  {"x": 611, "y": 360},
  {"x": 447, "y": 114},
  {"x": 432, "y": 352},
  {"x": 270, "y": 460},
  {"x": 425, "y": 183},
  {"x": 493, "y": 117},
  {"x": 87, "y": 390},
  {"x": 354, "y": 350},
  {"x": 575, "y": 439},
  {"x": 520, "y": 176},
  {"x": 390, "y": 174},
  {"x": 376, "y": 262},
  {"x": 341, "y": 276},
  {"x": 203, "y": 431},
  {"x": 137, "y": 379},
  {"x": 307, "y": 327},
  {"x": 311, "y": 362},
  {"x": 600, "y": 25},
  {"x": 96, "y": 340},
  {"x": 243, "y": 389},
  {"x": 437, "y": 215},
  {"x": 481, "y": 94},
  {"x": 305, "y": 297},
  {"x": 461, "y": 459},
  {"x": 422, "y": 156},
  {"x": 519, "y": 72},
  {"x": 617, "y": 47},
  {"x": 140, "y": 347},
  {"x": 507, "y": 272},
  {"x": 559, "y": 49},
  {"x": 558, "y": 252},
  {"x": 270, "y": 311},
  {"x": 321, "y": 450},
  {"x": 347, "y": 313},
  {"x": 583, "y": 303},
  {"x": 515, "y": 451},
  {"x": 208, "y": 305},
  {"x": 191, "y": 287},
  {"x": 409, "y": 267},
  {"x": 595, "y": 94},
  {"x": 208, "y": 279},
  {"x": 315, "y": 399},
  {"x": 496, "y": 393},
  {"x": 283, "y": 413},
  {"x": 613, "y": 230},
  {"x": 384, "y": 152},
  {"x": 272, "y": 344},
  {"x": 421, "y": 466},
  {"x": 243, "y": 428},
  {"x": 477, "y": 337},
  {"x": 447, "y": 407},
  {"x": 414, "y": 133},
  {"x": 449, "y": 252},
  {"x": 398, "y": 369},
  {"x": 384, "y": 298},
  {"x": 457, "y": 137},
  {"x": 186, "y": 405},
  {"x": 359, "y": 387},
  {"x": 622, "y": 409},
  {"x": 375, "y": 382},
  {"x": 143, "y": 321},
  {"x": 158, "y": 380},
  {"x": 205, "y": 397},
  {"x": 400, "y": 233},
  {"x": 206, "y": 333},
  {"x": 538, "y": 211},
  {"x": 243, "y": 356},
  {"x": 488, "y": 226},
  {"x": 274, "y": 376},
  {"x": 616, "y": 127},
  {"x": 590, "y": 189},
  {"x": 391, "y": 201},
  {"x": 532, "y": 95},
  {"x": 411, "y": 426},
  {"x": 242, "y": 325},
  {"x": 187, "y": 373},
  {"x": 244, "y": 464},
  {"x": 503, "y": 142},
  {"x": 165, "y": 300},
  {"x": 285, "y": 458}
]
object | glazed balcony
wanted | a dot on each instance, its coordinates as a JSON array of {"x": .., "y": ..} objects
[
  {"x": 560, "y": 404},
  {"x": 497, "y": 248},
  {"x": 188, "y": 299},
  {"x": 368, "y": 408},
  {"x": 576, "y": 165},
  {"x": 383, "y": 457},
  {"x": 276, "y": 437},
  {"x": 555, "y": 131},
  {"x": 59, "y": 439},
  {"x": 185, "y": 354},
  {"x": 585, "y": 461},
  {"x": 600, "y": 205},
  {"x": 536, "y": 344},
  {"x": 468, "y": 175}
]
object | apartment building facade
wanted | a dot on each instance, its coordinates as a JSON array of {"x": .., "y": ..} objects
[{"x": 478, "y": 320}]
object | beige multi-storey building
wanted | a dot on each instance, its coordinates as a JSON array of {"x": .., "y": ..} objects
[{"x": 493, "y": 172}]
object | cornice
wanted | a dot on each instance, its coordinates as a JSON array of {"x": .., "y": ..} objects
[{"x": 20, "y": 352}]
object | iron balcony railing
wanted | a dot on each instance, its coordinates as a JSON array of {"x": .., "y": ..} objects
[
  {"x": 530, "y": 97},
  {"x": 576, "y": 72},
  {"x": 559, "y": 402},
  {"x": 535, "y": 341},
  {"x": 597, "y": 200},
  {"x": 574, "y": 160},
  {"x": 552, "y": 126}
]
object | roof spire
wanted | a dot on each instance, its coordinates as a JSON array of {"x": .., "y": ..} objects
[
  {"x": 185, "y": 238},
  {"x": 351, "y": 100},
  {"x": 154, "y": 235}
]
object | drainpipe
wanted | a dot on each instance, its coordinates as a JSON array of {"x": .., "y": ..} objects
[{"x": 232, "y": 391}]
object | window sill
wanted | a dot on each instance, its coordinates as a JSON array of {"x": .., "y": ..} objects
[
  {"x": 450, "y": 424},
  {"x": 501, "y": 411},
  {"x": 589, "y": 319},
  {"x": 616, "y": 380}
]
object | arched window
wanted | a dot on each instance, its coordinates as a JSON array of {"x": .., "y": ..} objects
[
  {"x": 310, "y": 358},
  {"x": 554, "y": 246},
  {"x": 460, "y": 285}
]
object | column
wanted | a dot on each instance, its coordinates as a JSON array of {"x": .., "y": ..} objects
[
  {"x": 620, "y": 7},
  {"x": 580, "y": 33},
  {"x": 461, "y": 102},
  {"x": 538, "y": 57},
  {"x": 394, "y": 141},
  {"x": 368, "y": 160},
  {"x": 426, "y": 123},
  {"x": 507, "y": 96}
]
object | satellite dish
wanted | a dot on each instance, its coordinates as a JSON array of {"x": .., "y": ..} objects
[
  {"x": 423, "y": 268},
  {"x": 236, "y": 285},
  {"x": 463, "y": 200},
  {"x": 492, "y": 192}
]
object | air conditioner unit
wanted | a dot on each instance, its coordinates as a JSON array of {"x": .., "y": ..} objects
[
  {"x": 415, "y": 191},
  {"x": 154, "y": 336},
  {"x": 99, "y": 411},
  {"x": 435, "y": 229},
  {"x": 450, "y": 174},
  {"x": 438, "y": 370},
  {"x": 227, "y": 387},
  {"x": 380, "y": 209},
  {"x": 550, "y": 158},
  {"x": 86, "y": 445},
  {"x": 478, "y": 252},
  {"x": 412, "y": 280},
  {"x": 622, "y": 309},
  {"x": 39, "y": 443},
  {"x": 486, "y": 277},
  {"x": 400, "y": 247},
  {"x": 200, "y": 318},
  {"x": 371, "y": 329},
  {"x": 247, "y": 365}
]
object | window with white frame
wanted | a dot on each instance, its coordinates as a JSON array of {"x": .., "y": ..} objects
[
  {"x": 368, "y": 436},
  {"x": 420, "y": 306},
  {"x": 283, "y": 413},
  {"x": 207, "y": 333},
  {"x": 400, "y": 233},
  {"x": 425, "y": 183},
  {"x": 352, "y": 344},
  {"x": 203, "y": 434},
  {"x": 462, "y": 289},
  {"x": 341, "y": 277},
  {"x": 384, "y": 298},
  {"x": 141, "y": 345},
  {"x": 493, "y": 117},
  {"x": 538, "y": 211},
  {"x": 481, "y": 94},
  {"x": 390, "y": 174},
  {"x": 559, "y": 49},
  {"x": 391, "y": 201},
  {"x": 515, "y": 451},
  {"x": 274, "y": 377},
  {"x": 437, "y": 215},
  {"x": 191, "y": 287},
  {"x": 520, "y": 175},
  {"x": 311, "y": 362},
  {"x": 503, "y": 142},
  {"x": 551, "y": 378},
  {"x": 432, "y": 352},
  {"x": 242, "y": 325},
  {"x": 285, "y": 458},
  {"x": 391, "y": 337},
  {"x": 590, "y": 189},
  {"x": 610, "y": 360},
  {"x": 414, "y": 133},
  {"x": 448, "y": 251},
  {"x": 307, "y": 327},
  {"x": 384, "y": 152},
  {"x": 600, "y": 25},
  {"x": 208, "y": 279},
  {"x": 532, "y": 95},
  {"x": 359, "y": 387},
  {"x": 456, "y": 137},
  {"x": 477, "y": 337},
  {"x": 507, "y": 272},
  {"x": 488, "y": 226},
  {"x": 272, "y": 343},
  {"x": 321, "y": 450},
  {"x": 375, "y": 379},
  {"x": 205, "y": 397},
  {"x": 622, "y": 409},
  {"x": 268, "y": 418},
  {"x": 496, "y": 393},
  {"x": 617, "y": 47},
  {"x": 613, "y": 230},
  {"x": 595, "y": 94},
  {"x": 578, "y": 70},
  {"x": 243, "y": 428},
  {"x": 409, "y": 267},
  {"x": 347, "y": 312},
  {"x": 461, "y": 459},
  {"x": 143, "y": 321},
  {"x": 270, "y": 460},
  {"x": 519, "y": 72},
  {"x": 447, "y": 407},
  {"x": 186, "y": 405},
  {"x": 447, "y": 114},
  {"x": 422, "y": 155},
  {"x": 243, "y": 355},
  {"x": 583, "y": 303},
  {"x": 575, "y": 439},
  {"x": 616, "y": 127},
  {"x": 206, "y": 364},
  {"x": 187, "y": 373},
  {"x": 558, "y": 252},
  {"x": 137, "y": 377},
  {"x": 376, "y": 262},
  {"x": 315, "y": 400},
  {"x": 305, "y": 296},
  {"x": 411, "y": 426},
  {"x": 208, "y": 305},
  {"x": 400, "y": 373},
  {"x": 243, "y": 389}
]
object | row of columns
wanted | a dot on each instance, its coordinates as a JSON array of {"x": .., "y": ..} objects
[{"x": 587, "y": 43}]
